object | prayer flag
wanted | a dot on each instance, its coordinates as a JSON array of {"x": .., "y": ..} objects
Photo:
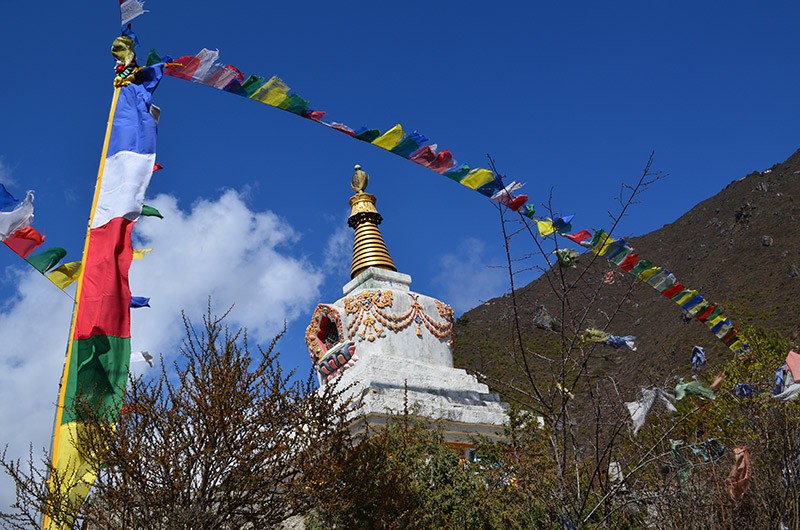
[
  {"x": 579, "y": 237},
  {"x": 98, "y": 355},
  {"x": 139, "y": 301},
  {"x": 251, "y": 84},
  {"x": 6, "y": 199},
  {"x": 222, "y": 77},
  {"x": 477, "y": 178},
  {"x": 458, "y": 173},
  {"x": 142, "y": 356},
  {"x": 343, "y": 128},
  {"x": 672, "y": 291},
  {"x": 315, "y": 115},
  {"x": 424, "y": 156},
  {"x": 410, "y": 144},
  {"x": 390, "y": 138},
  {"x": 600, "y": 242},
  {"x": 504, "y": 195},
  {"x": 641, "y": 266},
  {"x": 139, "y": 254},
  {"x": 629, "y": 262},
  {"x": 684, "y": 296},
  {"x": 529, "y": 211},
  {"x": 130, "y": 9},
  {"x": 517, "y": 202},
  {"x": 46, "y": 260},
  {"x": 444, "y": 163},
  {"x": 149, "y": 211},
  {"x": 545, "y": 227},
  {"x": 563, "y": 224},
  {"x": 272, "y": 93},
  {"x": 20, "y": 216},
  {"x": 24, "y": 241},
  {"x": 490, "y": 188},
  {"x": 367, "y": 135},
  {"x": 294, "y": 104},
  {"x": 184, "y": 66},
  {"x": 64, "y": 275},
  {"x": 617, "y": 257}
]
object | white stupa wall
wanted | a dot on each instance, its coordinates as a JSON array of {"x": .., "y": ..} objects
[{"x": 403, "y": 356}]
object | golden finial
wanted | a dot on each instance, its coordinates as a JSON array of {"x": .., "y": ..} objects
[
  {"x": 360, "y": 180},
  {"x": 369, "y": 249}
]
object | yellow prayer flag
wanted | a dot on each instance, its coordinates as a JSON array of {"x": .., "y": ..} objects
[
  {"x": 720, "y": 318},
  {"x": 390, "y": 138},
  {"x": 685, "y": 298},
  {"x": 646, "y": 274},
  {"x": 736, "y": 345},
  {"x": 64, "y": 275},
  {"x": 545, "y": 227},
  {"x": 273, "y": 92},
  {"x": 477, "y": 177},
  {"x": 139, "y": 254},
  {"x": 602, "y": 244},
  {"x": 75, "y": 474}
]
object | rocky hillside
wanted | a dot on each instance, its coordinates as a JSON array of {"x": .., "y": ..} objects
[{"x": 739, "y": 248}]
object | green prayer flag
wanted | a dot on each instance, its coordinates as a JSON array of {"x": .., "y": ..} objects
[
  {"x": 153, "y": 57},
  {"x": 46, "y": 260},
  {"x": 369, "y": 135},
  {"x": 149, "y": 211},
  {"x": 251, "y": 84},
  {"x": 641, "y": 266},
  {"x": 458, "y": 173}
]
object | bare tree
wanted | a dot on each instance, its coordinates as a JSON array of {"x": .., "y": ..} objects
[{"x": 219, "y": 442}]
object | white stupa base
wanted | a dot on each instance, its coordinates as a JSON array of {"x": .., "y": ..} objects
[{"x": 449, "y": 398}]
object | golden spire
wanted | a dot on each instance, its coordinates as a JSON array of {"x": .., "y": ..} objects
[{"x": 369, "y": 249}]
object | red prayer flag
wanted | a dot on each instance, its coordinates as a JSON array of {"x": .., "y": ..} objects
[
  {"x": 705, "y": 314},
  {"x": 629, "y": 262},
  {"x": 579, "y": 237},
  {"x": 444, "y": 162},
  {"x": 675, "y": 289},
  {"x": 517, "y": 202},
  {"x": 424, "y": 156},
  {"x": 315, "y": 115},
  {"x": 184, "y": 67},
  {"x": 24, "y": 241}
]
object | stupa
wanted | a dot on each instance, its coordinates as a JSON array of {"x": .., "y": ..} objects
[{"x": 393, "y": 347}]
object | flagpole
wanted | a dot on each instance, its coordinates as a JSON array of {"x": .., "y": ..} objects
[{"x": 63, "y": 385}]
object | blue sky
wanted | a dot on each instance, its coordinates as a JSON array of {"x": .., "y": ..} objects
[{"x": 568, "y": 97}]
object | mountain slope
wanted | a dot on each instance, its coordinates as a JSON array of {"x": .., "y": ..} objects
[{"x": 739, "y": 248}]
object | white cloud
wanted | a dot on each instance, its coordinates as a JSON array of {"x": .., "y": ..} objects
[
  {"x": 466, "y": 279},
  {"x": 339, "y": 251},
  {"x": 223, "y": 250},
  {"x": 219, "y": 248}
]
